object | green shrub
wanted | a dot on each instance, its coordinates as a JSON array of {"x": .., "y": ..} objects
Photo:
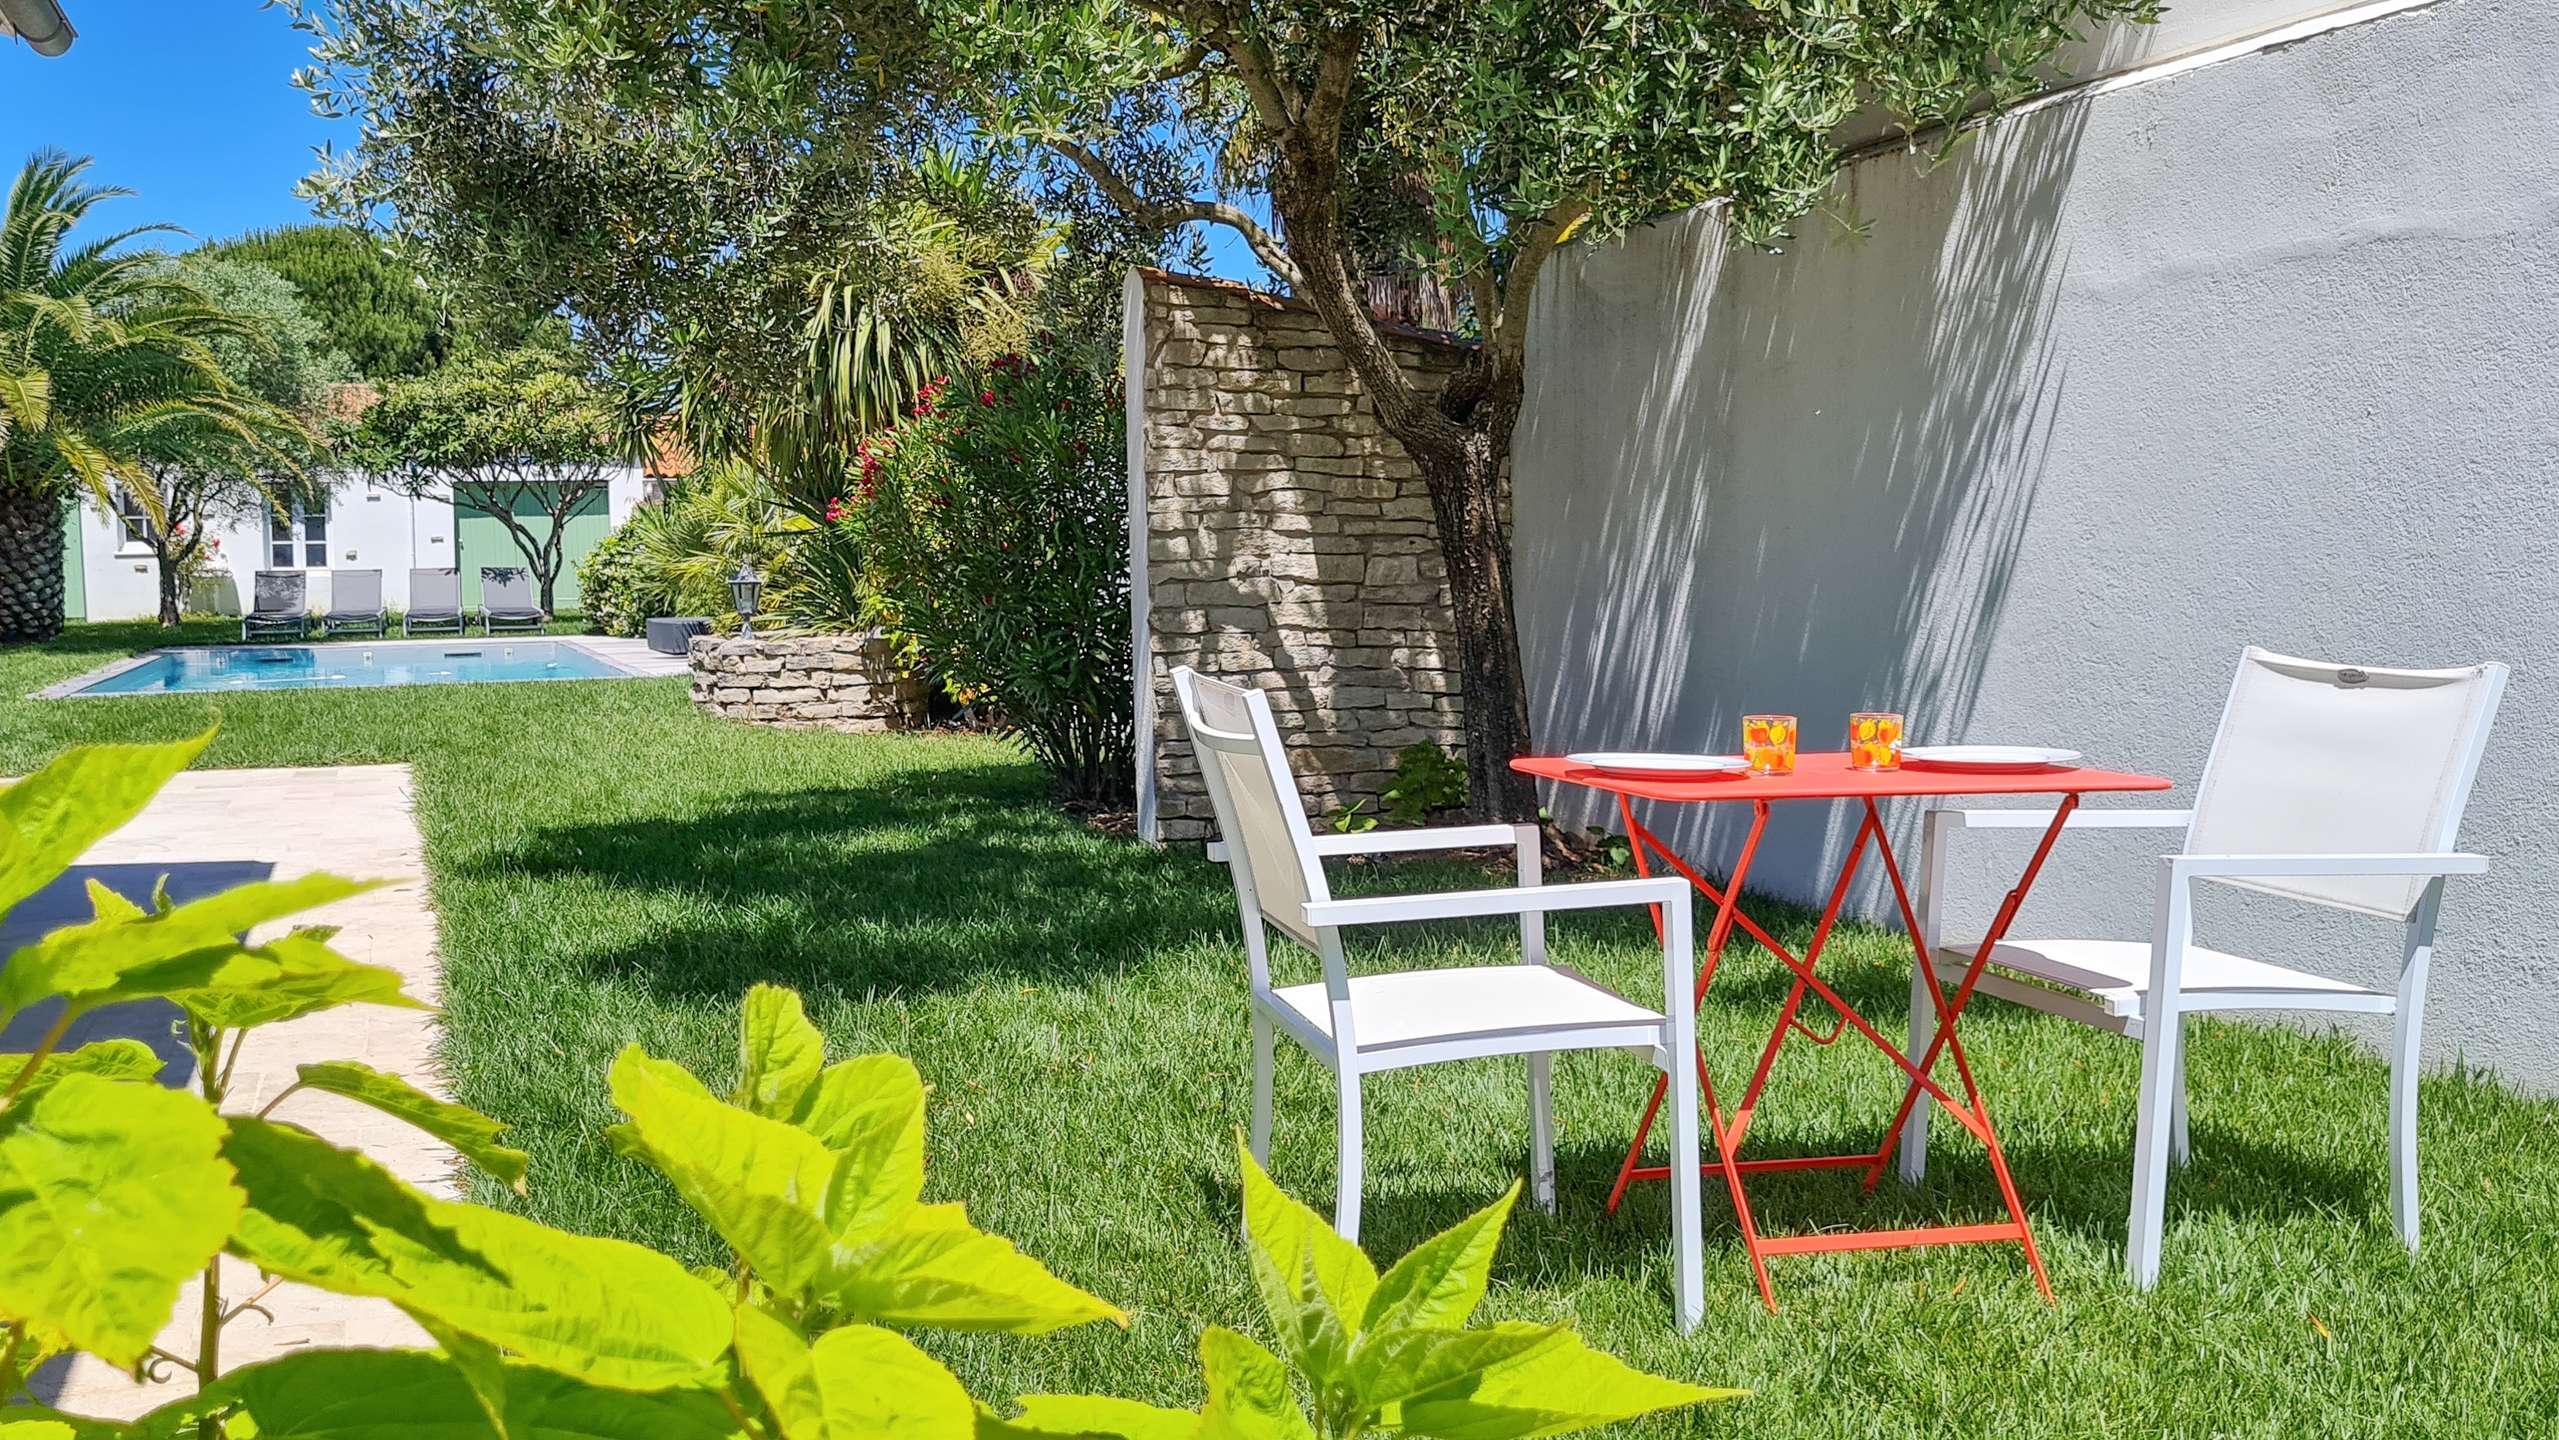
[
  {"x": 1427, "y": 780},
  {"x": 115, "y": 1191},
  {"x": 993, "y": 526},
  {"x": 618, "y": 587}
]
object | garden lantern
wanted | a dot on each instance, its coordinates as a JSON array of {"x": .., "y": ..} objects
[{"x": 746, "y": 589}]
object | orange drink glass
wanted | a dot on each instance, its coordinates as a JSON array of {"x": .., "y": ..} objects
[
  {"x": 1874, "y": 740},
  {"x": 1768, "y": 743}
]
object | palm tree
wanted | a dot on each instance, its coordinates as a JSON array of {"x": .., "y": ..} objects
[{"x": 104, "y": 356}]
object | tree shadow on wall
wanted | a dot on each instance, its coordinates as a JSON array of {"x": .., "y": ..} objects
[{"x": 1792, "y": 482}]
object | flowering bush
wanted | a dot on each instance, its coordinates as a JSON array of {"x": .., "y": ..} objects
[{"x": 992, "y": 522}]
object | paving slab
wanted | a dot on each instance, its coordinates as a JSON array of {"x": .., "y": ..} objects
[{"x": 210, "y": 830}]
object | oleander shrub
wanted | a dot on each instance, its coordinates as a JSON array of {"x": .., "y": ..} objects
[{"x": 993, "y": 527}]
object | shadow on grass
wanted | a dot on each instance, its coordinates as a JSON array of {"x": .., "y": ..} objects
[{"x": 912, "y": 882}]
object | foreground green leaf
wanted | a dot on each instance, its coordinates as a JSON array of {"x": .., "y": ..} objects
[
  {"x": 779, "y": 1053},
  {"x": 106, "y": 1059},
  {"x": 1102, "y": 1415},
  {"x": 1249, "y": 1396},
  {"x": 112, "y": 1194},
  {"x": 871, "y": 1110},
  {"x": 876, "y": 1384},
  {"x": 468, "y": 1131},
  {"x": 935, "y": 1269},
  {"x": 1315, "y": 1285},
  {"x": 420, "y": 1395},
  {"x": 50, "y": 818},
  {"x": 124, "y": 954},
  {"x": 603, "y": 1310},
  {"x": 1440, "y": 1281},
  {"x": 1550, "y": 1389}
]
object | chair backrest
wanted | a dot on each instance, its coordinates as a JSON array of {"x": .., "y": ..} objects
[
  {"x": 278, "y": 592},
  {"x": 1259, "y": 815},
  {"x": 355, "y": 590},
  {"x": 506, "y": 587},
  {"x": 435, "y": 591},
  {"x": 2315, "y": 758}
]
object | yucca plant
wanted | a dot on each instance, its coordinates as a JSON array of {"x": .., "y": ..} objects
[{"x": 105, "y": 353}]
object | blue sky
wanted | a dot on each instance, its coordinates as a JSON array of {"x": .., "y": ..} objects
[
  {"x": 186, "y": 102},
  {"x": 189, "y": 104}
]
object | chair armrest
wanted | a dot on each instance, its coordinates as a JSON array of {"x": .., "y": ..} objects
[
  {"x": 2271, "y": 866},
  {"x": 2079, "y": 819},
  {"x": 1446, "y": 837},
  {"x": 1513, "y": 900}
]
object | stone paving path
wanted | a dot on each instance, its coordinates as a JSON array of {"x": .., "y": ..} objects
[{"x": 208, "y": 831}]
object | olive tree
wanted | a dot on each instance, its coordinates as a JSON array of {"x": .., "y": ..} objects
[
  {"x": 1462, "y": 140},
  {"x": 192, "y": 472}
]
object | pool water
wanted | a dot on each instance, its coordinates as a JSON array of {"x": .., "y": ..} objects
[{"x": 221, "y": 668}]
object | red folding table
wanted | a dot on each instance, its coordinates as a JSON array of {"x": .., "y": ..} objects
[{"x": 1827, "y": 777}]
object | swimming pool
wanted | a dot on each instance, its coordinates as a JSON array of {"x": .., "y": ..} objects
[{"x": 224, "y": 668}]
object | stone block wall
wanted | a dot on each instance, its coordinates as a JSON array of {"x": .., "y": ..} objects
[
  {"x": 1280, "y": 538},
  {"x": 804, "y": 682}
]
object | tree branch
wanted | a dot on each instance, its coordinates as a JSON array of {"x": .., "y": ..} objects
[
  {"x": 1266, "y": 246},
  {"x": 1506, "y": 327}
]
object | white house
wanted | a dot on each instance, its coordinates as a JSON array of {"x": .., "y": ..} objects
[{"x": 361, "y": 525}]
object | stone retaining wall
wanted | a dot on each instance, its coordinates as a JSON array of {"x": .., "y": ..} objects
[
  {"x": 804, "y": 682},
  {"x": 1280, "y": 538}
]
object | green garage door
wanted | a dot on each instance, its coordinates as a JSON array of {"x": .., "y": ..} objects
[{"x": 480, "y": 539}]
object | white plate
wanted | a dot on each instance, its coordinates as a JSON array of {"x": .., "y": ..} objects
[
  {"x": 1655, "y": 765},
  {"x": 1986, "y": 757}
]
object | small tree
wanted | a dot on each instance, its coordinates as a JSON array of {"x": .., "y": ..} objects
[
  {"x": 505, "y": 434},
  {"x": 193, "y": 475}
]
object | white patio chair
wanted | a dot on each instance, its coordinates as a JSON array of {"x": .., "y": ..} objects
[
  {"x": 1359, "y": 1025},
  {"x": 2330, "y": 785}
]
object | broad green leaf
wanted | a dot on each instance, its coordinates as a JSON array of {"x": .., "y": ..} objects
[
  {"x": 1394, "y": 1365},
  {"x": 467, "y": 1130},
  {"x": 776, "y": 1361},
  {"x": 286, "y": 978},
  {"x": 779, "y": 1053},
  {"x": 35, "y": 1422},
  {"x": 1249, "y": 1397},
  {"x": 1440, "y": 1281},
  {"x": 117, "y": 957},
  {"x": 871, "y": 1110},
  {"x": 48, "y": 819},
  {"x": 675, "y": 1125},
  {"x": 1315, "y": 1285},
  {"x": 108, "y": 905},
  {"x": 933, "y": 1268},
  {"x": 1552, "y": 1389},
  {"x": 603, "y": 1310},
  {"x": 1102, "y": 1415},
  {"x": 875, "y": 1384},
  {"x": 106, "y": 1059},
  {"x": 421, "y": 1395},
  {"x": 480, "y": 1367},
  {"x": 112, "y": 1193}
]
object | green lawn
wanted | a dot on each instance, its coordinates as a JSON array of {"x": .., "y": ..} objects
[{"x": 610, "y": 866}]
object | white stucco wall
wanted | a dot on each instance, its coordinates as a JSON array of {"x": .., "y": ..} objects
[
  {"x": 2267, "y": 351},
  {"x": 371, "y": 527}
]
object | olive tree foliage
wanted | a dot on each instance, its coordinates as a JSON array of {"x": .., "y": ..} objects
[
  {"x": 1467, "y": 140},
  {"x": 770, "y": 258},
  {"x": 190, "y": 476},
  {"x": 1462, "y": 139}
]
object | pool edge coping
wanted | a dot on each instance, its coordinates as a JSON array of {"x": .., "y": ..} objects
[{"x": 72, "y": 688}]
